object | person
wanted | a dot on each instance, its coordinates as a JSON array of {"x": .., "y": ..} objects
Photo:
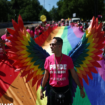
[
  {"x": 57, "y": 67},
  {"x": 2, "y": 47},
  {"x": 104, "y": 28},
  {"x": 85, "y": 25},
  {"x": 5, "y": 40},
  {"x": 32, "y": 30},
  {"x": 4, "y": 37}
]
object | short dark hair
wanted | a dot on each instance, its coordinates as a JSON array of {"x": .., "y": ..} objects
[{"x": 59, "y": 40}]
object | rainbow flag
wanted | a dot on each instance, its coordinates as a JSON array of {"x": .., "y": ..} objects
[{"x": 16, "y": 91}]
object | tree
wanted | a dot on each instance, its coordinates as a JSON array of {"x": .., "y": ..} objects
[
  {"x": 4, "y": 10},
  {"x": 28, "y": 9},
  {"x": 82, "y": 8},
  {"x": 54, "y": 14}
]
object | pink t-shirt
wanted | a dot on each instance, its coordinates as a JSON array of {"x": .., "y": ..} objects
[
  {"x": 3, "y": 37},
  {"x": 28, "y": 30},
  {"x": 60, "y": 75}
]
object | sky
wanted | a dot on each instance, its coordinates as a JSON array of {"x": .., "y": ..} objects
[{"x": 48, "y": 4}]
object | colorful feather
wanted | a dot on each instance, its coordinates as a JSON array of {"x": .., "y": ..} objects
[
  {"x": 86, "y": 54},
  {"x": 28, "y": 55}
]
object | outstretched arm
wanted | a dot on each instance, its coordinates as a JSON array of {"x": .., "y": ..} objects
[
  {"x": 76, "y": 79},
  {"x": 45, "y": 79}
]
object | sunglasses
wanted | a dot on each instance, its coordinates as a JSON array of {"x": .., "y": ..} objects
[{"x": 53, "y": 44}]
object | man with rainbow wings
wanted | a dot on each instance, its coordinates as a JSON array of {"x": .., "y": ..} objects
[{"x": 30, "y": 57}]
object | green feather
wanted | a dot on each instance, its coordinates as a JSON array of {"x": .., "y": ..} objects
[{"x": 76, "y": 64}]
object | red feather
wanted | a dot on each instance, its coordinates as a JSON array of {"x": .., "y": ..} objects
[
  {"x": 15, "y": 25},
  {"x": 81, "y": 82},
  {"x": 86, "y": 79},
  {"x": 96, "y": 64},
  {"x": 89, "y": 74},
  {"x": 24, "y": 73},
  {"x": 92, "y": 69},
  {"x": 20, "y": 22},
  {"x": 30, "y": 76}
]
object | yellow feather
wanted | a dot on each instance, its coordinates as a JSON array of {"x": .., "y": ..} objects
[
  {"x": 28, "y": 59},
  {"x": 28, "y": 36},
  {"x": 78, "y": 71},
  {"x": 25, "y": 43},
  {"x": 24, "y": 47},
  {"x": 23, "y": 52},
  {"x": 30, "y": 63},
  {"x": 89, "y": 58},
  {"x": 39, "y": 72}
]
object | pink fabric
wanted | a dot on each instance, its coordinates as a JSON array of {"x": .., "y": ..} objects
[
  {"x": 32, "y": 33},
  {"x": 28, "y": 30},
  {"x": 77, "y": 32},
  {"x": 62, "y": 24},
  {"x": 48, "y": 25},
  {"x": 62, "y": 76},
  {"x": 56, "y": 24},
  {"x": 3, "y": 37},
  {"x": 81, "y": 28},
  {"x": 36, "y": 32},
  {"x": 76, "y": 24}
]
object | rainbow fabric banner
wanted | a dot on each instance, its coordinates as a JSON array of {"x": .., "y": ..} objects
[{"x": 16, "y": 91}]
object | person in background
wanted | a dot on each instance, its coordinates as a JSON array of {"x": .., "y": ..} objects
[
  {"x": 2, "y": 47},
  {"x": 4, "y": 37},
  {"x": 57, "y": 67},
  {"x": 103, "y": 28},
  {"x": 28, "y": 30},
  {"x": 32, "y": 30}
]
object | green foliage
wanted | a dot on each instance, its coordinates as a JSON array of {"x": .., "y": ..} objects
[
  {"x": 54, "y": 14},
  {"x": 83, "y": 8},
  {"x": 31, "y": 10},
  {"x": 4, "y": 10}
]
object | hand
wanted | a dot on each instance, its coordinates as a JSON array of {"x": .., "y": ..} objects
[
  {"x": 82, "y": 93},
  {"x": 41, "y": 95}
]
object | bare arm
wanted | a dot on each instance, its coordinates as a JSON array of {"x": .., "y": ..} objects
[
  {"x": 76, "y": 79},
  {"x": 45, "y": 79}
]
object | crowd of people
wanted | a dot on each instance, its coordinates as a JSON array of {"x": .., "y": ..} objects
[
  {"x": 39, "y": 29},
  {"x": 36, "y": 31}
]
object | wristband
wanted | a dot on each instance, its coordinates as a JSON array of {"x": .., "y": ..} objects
[{"x": 42, "y": 88}]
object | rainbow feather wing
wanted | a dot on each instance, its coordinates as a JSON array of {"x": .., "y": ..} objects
[
  {"x": 86, "y": 54},
  {"x": 27, "y": 55}
]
